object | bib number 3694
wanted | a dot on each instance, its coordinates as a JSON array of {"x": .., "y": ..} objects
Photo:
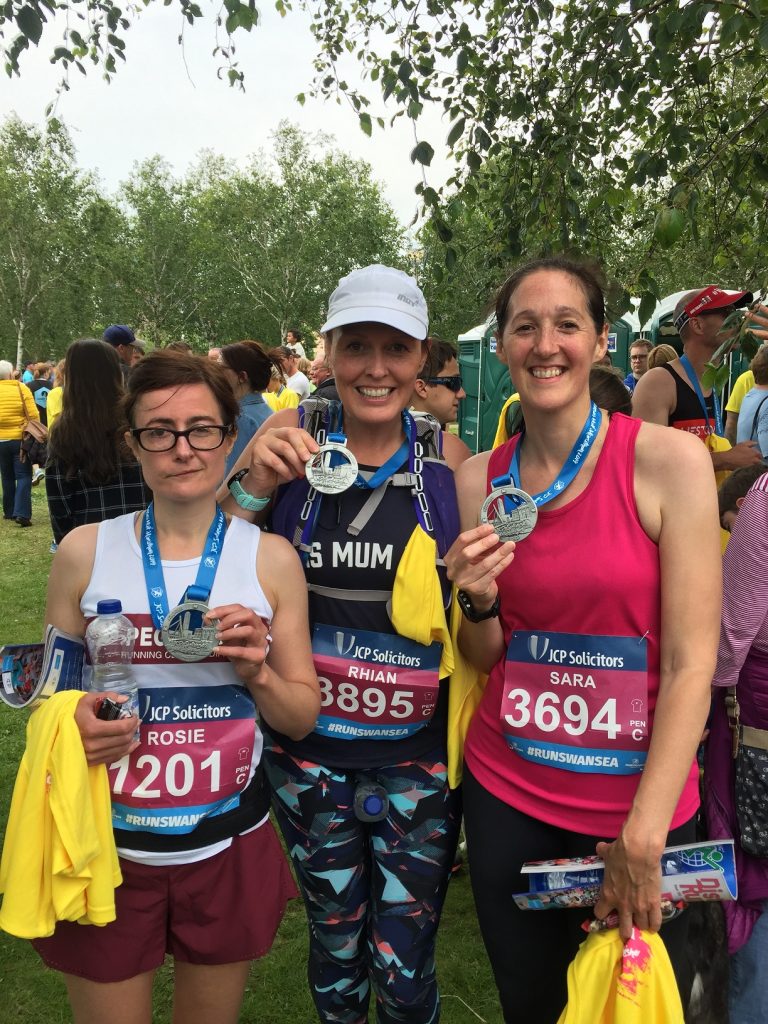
[{"x": 550, "y": 712}]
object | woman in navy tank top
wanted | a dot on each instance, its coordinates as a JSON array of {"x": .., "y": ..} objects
[{"x": 363, "y": 801}]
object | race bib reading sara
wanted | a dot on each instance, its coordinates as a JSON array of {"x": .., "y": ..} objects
[
  {"x": 579, "y": 703},
  {"x": 373, "y": 685}
]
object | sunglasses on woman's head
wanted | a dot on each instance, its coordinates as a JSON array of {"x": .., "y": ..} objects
[{"x": 452, "y": 383}]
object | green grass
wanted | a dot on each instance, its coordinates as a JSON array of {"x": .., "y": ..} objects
[{"x": 277, "y": 991}]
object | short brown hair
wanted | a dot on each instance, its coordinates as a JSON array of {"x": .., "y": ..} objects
[
  {"x": 759, "y": 365},
  {"x": 736, "y": 486},
  {"x": 641, "y": 343},
  {"x": 164, "y": 369}
]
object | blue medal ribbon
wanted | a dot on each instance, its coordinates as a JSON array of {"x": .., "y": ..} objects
[
  {"x": 576, "y": 459},
  {"x": 390, "y": 467},
  {"x": 685, "y": 362},
  {"x": 200, "y": 590}
]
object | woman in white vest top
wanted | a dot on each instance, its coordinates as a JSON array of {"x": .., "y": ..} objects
[{"x": 204, "y": 878}]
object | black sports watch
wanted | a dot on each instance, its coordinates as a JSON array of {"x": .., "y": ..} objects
[{"x": 465, "y": 603}]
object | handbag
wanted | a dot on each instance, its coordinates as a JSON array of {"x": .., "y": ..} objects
[
  {"x": 750, "y": 752},
  {"x": 34, "y": 439}
]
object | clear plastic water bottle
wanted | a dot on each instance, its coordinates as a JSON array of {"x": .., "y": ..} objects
[
  {"x": 110, "y": 639},
  {"x": 371, "y": 802}
]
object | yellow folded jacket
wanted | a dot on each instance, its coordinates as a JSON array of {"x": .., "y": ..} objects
[
  {"x": 59, "y": 860},
  {"x": 418, "y": 613},
  {"x": 613, "y": 983}
]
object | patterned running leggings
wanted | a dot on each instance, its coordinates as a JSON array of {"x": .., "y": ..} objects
[{"x": 373, "y": 890}]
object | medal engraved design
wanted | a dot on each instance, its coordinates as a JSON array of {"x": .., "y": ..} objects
[
  {"x": 327, "y": 478},
  {"x": 185, "y": 635},
  {"x": 514, "y": 525}
]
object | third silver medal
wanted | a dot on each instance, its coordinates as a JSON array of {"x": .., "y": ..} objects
[
  {"x": 329, "y": 479},
  {"x": 514, "y": 525}
]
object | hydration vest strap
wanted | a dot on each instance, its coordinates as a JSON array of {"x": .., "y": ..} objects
[
  {"x": 372, "y": 502},
  {"x": 350, "y": 595}
]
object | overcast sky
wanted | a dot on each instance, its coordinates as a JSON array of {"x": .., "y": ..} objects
[{"x": 156, "y": 104}]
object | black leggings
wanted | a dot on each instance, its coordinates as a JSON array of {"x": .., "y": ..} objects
[{"x": 530, "y": 950}]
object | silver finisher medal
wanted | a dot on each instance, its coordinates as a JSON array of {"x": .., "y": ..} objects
[
  {"x": 514, "y": 525},
  {"x": 328, "y": 479},
  {"x": 185, "y": 635}
]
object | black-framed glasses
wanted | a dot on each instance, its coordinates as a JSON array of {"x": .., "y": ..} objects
[
  {"x": 203, "y": 438},
  {"x": 453, "y": 383}
]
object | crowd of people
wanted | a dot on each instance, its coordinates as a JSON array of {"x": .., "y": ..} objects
[{"x": 390, "y": 618}]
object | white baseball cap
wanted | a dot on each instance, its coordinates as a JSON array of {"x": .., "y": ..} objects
[{"x": 379, "y": 295}]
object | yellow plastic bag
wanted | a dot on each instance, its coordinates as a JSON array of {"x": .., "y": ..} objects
[{"x": 612, "y": 983}]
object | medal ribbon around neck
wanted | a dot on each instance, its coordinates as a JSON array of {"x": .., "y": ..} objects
[
  {"x": 394, "y": 462},
  {"x": 200, "y": 590},
  {"x": 520, "y": 509},
  {"x": 686, "y": 364}
]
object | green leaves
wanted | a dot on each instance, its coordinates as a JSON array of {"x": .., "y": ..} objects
[
  {"x": 422, "y": 153},
  {"x": 455, "y": 133},
  {"x": 30, "y": 23}
]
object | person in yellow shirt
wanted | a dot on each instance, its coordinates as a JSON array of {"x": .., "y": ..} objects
[
  {"x": 56, "y": 393},
  {"x": 278, "y": 396},
  {"x": 17, "y": 405}
]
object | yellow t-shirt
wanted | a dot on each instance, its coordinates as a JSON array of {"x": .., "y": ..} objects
[
  {"x": 743, "y": 384},
  {"x": 283, "y": 399},
  {"x": 53, "y": 405}
]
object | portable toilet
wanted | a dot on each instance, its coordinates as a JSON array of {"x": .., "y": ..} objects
[
  {"x": 660, "y": 328},
  {"x": 487, "y": 384},
  {"x": 621, "y": 334}
]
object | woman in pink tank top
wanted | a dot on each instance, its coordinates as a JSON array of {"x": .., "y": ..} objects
[{"x": 597, "y": 626}]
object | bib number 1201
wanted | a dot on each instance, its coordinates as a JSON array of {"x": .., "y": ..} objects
[{"x": 548, "y": 714}]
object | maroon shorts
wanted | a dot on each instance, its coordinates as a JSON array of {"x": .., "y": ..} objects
[{"x": 220, "y": 910}]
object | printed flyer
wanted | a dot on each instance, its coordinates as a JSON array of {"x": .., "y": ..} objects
[{"x": 701, "y": 871}]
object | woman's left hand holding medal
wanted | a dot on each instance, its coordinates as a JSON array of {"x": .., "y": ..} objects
[
  {"x": 475, "y": 559},
  {"x": 243, "y": 637}
]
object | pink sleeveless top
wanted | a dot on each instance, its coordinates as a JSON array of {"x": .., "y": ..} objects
[{"x": 562, "y": 729}]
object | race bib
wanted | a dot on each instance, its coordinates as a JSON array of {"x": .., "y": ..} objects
[
  {"x": 373, "y": 685},
  {"x": 579, "y": 703},
  {"x": 194, "y": 760}
]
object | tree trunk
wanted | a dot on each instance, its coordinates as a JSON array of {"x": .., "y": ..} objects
[{"x": 20, "y": 344}]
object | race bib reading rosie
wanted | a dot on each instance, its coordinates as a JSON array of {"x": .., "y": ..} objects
[
  {"x": 579, "y": 703},
  {"x": 374, "y": 686},
  {"x": 194, "y": 759}
]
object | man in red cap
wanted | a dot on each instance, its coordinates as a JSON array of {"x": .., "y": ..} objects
[{"x": 673, "y": 394}]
